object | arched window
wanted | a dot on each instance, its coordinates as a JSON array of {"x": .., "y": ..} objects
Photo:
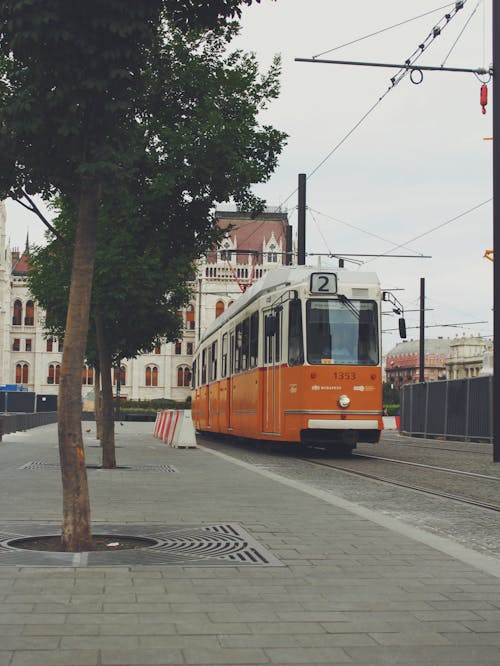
[
  {"x": 22, "y": 373},
  {"x": 219, "y": 308},
  {"x": 29, "y": 318},
  {"x": 183, "y": 376},
  {"x": 151, "y": 375},
  {"x": 50, "y": 344},
  {"x": 88, "y": 375},
  {"x": 123, "y": 375},
  {"x": 190, "y": 318},
  {"x": 17, "y": 318},
  {"x": 54, "y": 375}
]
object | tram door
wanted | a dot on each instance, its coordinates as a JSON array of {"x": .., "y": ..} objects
[{"x": 271, "y": 409}]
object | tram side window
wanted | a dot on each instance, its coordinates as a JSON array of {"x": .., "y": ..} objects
[
  {"x": 268, "y": 337},
  {"x": 245, "y": 345},
  {"x": 272, "y": 339},
  {"x": 213, "y": 361},
  {"x": 204, "y": 366},
  {"x": 277, "y": 342},
  {"x": 295, "y": 337},
  {"x": 237, "y": 348},
  {"x": 242, "y": 345},
  {"x": 223, "y": 365},
  {"x": 254, "y": 339}
]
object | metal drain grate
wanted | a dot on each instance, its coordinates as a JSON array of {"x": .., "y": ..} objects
[
  {"x": 40, "y": 464},
  {"x": 214, "y": 545}
]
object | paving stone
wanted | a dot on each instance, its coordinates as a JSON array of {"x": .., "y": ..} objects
[
  {"x": 225, "y": 656},
  {"x": 55, "y": 658},
  {"x": 354, "y": 592},
  {"x": 307, "y": 655}
]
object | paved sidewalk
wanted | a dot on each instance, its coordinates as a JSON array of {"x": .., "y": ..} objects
[{"x": 345, "y": 589}]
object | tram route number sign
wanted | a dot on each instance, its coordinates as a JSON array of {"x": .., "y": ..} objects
[{"x": 323, "y": 283}]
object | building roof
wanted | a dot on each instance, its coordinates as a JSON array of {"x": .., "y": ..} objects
[
  {"x": 21, "y": 266},
  {"x": 252, "y": 233},
  {"x": 432, "y": 346}
]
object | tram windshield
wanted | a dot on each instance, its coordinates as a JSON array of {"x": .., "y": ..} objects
[{"x": 342, "y": 333}]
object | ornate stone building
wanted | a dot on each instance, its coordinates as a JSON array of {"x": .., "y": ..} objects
[
  {"x": 445, "y": 358},
  {"x": 250, "y": 248}
]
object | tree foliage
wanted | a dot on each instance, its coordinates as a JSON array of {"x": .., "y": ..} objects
[{"x": 74, "y": 121}]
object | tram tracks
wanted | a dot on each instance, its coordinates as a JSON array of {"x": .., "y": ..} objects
[{"x": 349, "y": 469}]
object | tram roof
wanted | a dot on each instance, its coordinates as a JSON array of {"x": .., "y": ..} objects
[{"x": 290, "y": 276}]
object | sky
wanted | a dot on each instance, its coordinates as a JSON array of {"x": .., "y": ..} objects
[{"x": 416, "y": 162}]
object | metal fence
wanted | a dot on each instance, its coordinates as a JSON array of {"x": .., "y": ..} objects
[
  {"x": 455, "y": 409},
  {"x": 14, "y": 422}
]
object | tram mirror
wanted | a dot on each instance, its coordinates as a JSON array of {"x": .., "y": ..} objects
[
  {"x": 270, "y": 326},
  {"x": 402, "y": 327}
]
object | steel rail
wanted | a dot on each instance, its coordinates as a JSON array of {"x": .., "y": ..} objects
[
  {"x": 427, "y": 491},
  {"x": 400, "y": 441},
  {"x": 434, "y": 467}
]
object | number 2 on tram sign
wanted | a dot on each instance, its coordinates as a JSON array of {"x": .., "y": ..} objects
[{"x": 323, "y": 283}]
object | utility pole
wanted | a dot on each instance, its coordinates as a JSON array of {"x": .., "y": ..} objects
[
  {"x": 422, "y": 330},
  {"x": 410, "y": 67},
  {"x": 301, "y": 231},
  {"x": 496, "y": 231}
]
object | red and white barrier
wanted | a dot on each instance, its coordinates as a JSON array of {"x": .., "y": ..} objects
[
  {"x": 391, "y": 422},
  {"x": 175, "y": 427}
]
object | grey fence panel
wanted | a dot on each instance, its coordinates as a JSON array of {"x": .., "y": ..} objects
[
  {"x": 479, "y": 414},
  {"x": 14, "y": 422},
  {"x": 436, "y": 408},
  {"x": 419, "y": 402},
  {"x": 456, "y": 409}
]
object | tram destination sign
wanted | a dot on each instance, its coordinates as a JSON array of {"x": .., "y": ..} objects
[{"x": 323, "y": 283}]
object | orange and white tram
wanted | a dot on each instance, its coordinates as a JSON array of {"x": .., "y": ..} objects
[{"x": 297, "y": 358}]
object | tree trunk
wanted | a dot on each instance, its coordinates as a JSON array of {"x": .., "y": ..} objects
[
  {"x": 98, "y": 403},
  {"x": 76, "y": 526},
  {"x": 107, "y": 418}
]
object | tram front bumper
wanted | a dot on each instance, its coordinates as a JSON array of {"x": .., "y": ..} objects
[{"x": 354, "y": 424}]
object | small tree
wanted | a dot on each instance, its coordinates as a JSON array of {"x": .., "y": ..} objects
[{"x": 197, "y": 140}]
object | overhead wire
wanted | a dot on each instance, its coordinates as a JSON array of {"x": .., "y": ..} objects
[
  {"x": 461, "y": 33},
  {"x": 430, "y": 231},
  {"x": 397, "y": 78},
  {"x": 368, "y": 233},
  {"x": 382, "y": 30}
]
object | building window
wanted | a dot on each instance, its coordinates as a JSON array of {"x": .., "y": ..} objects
[
  {"x": 178, "y": 347},
  {"x": 29, "y": 318},
  {"x": 151, "y": 375},
  {"x": 54, "y": 373},
  {"x": 226, "y": 254},
  {"x": 158, "y": 349},
  {"x": 123, "y": 375},
  {"x": 28, "y": 344},
  {"x": 189, "y": 348},
  {"x": 60, "y": 345},
  {"x": 88, "y": 375},
  {"x": 16, "y": 345},
  {"x": 22, "y": 374},
  {"x": 50, "y": 344},
  {"x": 183, "y": 376},
  {"x": 17, "y": 317},
  {"x": 272, "y": 256},
  {"x": 190, "y": 318},
  {"x": 219, "y": 308}
]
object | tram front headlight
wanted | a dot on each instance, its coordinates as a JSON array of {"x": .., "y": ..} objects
[{"x": 344, "y": 401}]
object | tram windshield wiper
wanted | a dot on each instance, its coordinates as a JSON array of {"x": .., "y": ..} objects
[{"x": 349, "y": 305}]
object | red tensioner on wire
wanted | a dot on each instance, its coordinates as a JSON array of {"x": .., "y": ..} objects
[{"x": 484, "y": 97}]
